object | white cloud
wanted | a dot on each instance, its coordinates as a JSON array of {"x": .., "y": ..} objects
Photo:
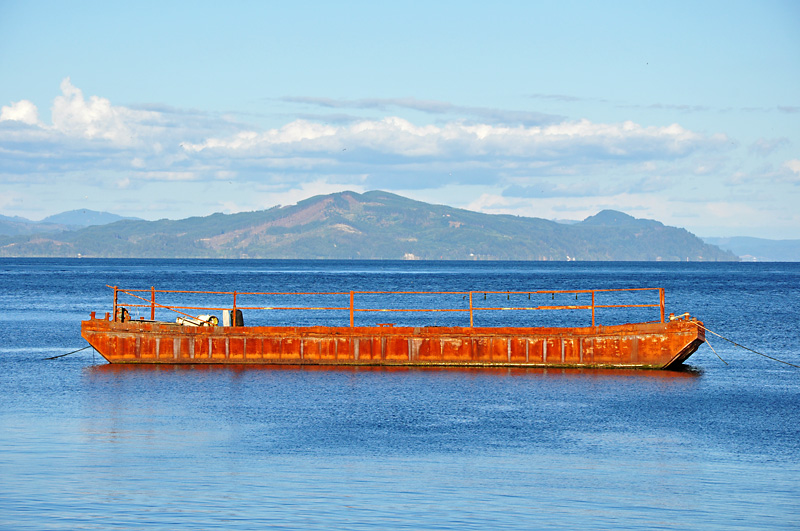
[
  {"x": 9, "y": 200},
  {"x": 455, "y": 140},
  {"x": 167, "y": 176},
  {"x": 93, "y": 138},
  {"x": 793, "y": 166},
  {"x": 21, "y": 111},
  {"x": 767, "y": 176},
  {"x": 96, "y": 118},
  {"x": 765, "y": 146},
  {"x": 91, "y": 133},
  {"x": 433, "y": 107}
]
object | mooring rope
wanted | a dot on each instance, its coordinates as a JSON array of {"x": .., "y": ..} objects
[
  {"x": 68, "y": 353},
  {"x": 748, "y": 349},
  {"x": 715, "y": 351}
]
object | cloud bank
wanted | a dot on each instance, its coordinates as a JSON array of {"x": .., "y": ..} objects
[
  {"x": 175, "y": 162},
  {"x": 159, "y": 143}
]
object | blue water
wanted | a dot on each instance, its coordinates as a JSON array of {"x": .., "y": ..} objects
[{"x": 86, "y": 445}]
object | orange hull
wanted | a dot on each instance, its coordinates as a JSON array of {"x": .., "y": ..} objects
[{"x": 639, "y": 345}]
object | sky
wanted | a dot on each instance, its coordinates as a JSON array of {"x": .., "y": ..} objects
[{"x": 683, "y": 112}]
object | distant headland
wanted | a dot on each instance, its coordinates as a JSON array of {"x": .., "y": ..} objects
[{"x": 347, "y": 225}]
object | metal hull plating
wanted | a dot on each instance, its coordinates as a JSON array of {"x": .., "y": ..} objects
[{"x": 639, "y": 345}]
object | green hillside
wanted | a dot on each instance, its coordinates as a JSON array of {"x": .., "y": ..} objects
[{"x": 374, "y": 225}]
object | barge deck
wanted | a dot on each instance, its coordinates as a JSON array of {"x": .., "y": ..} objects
[{"x": 197, "y": 339}]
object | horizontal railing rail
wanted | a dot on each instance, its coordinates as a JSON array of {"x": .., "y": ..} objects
[{"x": 467, "y": 296}]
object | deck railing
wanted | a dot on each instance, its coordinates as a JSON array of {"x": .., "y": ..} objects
[{"x": 353, "y": 309}]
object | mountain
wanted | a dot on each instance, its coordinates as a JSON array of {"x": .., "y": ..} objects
[
  {"x": 15, "y": 226},
  {"x": 374, "y": 225},
  {"x": 613, "y": 218},
  {"x": 759, "y": 249},
  {"x": 83, "y": 218},
  {"x": 74, "y": 219},
  {"x": 15, "y": 219}
]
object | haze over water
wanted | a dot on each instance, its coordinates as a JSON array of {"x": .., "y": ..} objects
[{"x": 86, "y": 445}]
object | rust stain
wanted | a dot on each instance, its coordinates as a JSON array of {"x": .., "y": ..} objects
[
  {"x": 643, "y": 345},
  {"x": 658, "y": 344}
]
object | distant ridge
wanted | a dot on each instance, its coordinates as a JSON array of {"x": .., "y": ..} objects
[
  {"x": 375, "y": 225},
  {"x": 83, "y": 218},
  {"x": 15, "y": 226},
  {"x": 613, "y": 218},
  {"x": 759, "y": 249},
  {"x": 74, "y": 219}
]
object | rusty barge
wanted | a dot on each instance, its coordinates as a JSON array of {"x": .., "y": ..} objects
[{"x": 202, "y": 339}]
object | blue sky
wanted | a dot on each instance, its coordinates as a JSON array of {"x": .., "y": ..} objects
[{"x": 684, "y": 112}]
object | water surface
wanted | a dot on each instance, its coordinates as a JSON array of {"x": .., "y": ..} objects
[{"x": 86, "y": 445}]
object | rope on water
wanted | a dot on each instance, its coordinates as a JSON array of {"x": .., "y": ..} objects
[
  {"x": 748, "y": 349},
  {"x": 715, "y": 352},
  {"x": 68, "y": 353}
]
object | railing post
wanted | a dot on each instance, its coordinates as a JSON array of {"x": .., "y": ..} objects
[
  {"x": 152, "y": 303},
  {"x": 661, "y": 302},
  {"x": 470, "y": 310},
  {"x": 592, "y": 307},
  {"x": 115, "y": 303},
  {"x": 233, "y": 317},
  {"x": 351, "y": 309}
]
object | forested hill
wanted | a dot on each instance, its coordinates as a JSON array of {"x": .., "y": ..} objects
[{"x": 374, "y": 225}]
